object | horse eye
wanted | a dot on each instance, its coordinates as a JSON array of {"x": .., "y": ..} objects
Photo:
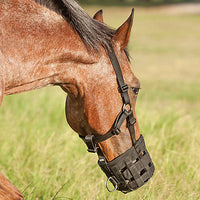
[{"x": 136, "y": 90}]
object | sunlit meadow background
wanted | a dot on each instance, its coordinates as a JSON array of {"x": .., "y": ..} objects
[{"x": 45, "y": 159}]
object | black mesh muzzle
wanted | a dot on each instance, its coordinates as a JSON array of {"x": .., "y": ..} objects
[{"x": 131, "y": 169}]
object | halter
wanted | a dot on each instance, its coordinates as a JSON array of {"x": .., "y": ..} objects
[
  {"x": 93, "y": 141},
  {"x": 133, "y": 168}
]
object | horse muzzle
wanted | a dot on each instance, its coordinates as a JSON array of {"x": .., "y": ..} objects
[{"x": 130, "y": 170}]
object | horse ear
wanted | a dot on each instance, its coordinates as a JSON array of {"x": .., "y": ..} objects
[
  {"x": 99, "y": 16},
  {"x": 122, "y": 34}
]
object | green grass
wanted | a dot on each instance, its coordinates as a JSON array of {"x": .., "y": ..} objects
[{"x": 46, "y": 160}]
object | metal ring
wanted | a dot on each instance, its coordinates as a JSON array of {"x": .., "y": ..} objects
[
  {"x": 124, "y": 107},
  {"x": 115, "y": 188}
]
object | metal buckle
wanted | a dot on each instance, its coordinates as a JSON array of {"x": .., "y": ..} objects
[
  {"x": 132, "y": 121},
  {"x": 123, "y": 88},
  {"x": 124, "y": 108},
  {"x": 116, "y": 131},
  {"x": 89, "y": 140}
]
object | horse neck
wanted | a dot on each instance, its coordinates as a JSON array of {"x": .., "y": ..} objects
[{"x": 39, "y": 47}]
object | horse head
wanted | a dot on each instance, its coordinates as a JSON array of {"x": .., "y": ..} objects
[{"x": 101, "y": 108}]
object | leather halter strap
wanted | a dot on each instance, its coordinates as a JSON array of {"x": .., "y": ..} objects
[{"x": 91, "y": 140}]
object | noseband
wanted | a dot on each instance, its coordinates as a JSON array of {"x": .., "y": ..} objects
[{"x": 134, "y": 168}]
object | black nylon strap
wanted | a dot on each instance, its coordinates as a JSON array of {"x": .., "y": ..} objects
[
  {"x": 122, "y": 116},
  {"x": 104, "y": 137},
  {"x": 130, "y": 124},
  {"x": 120, "y": 80}
]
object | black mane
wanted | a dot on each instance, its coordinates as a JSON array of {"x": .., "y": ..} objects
[{"x": 92, "y": 32}]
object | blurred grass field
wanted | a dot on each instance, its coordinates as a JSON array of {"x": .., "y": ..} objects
[{"x": 45, "y": 159}]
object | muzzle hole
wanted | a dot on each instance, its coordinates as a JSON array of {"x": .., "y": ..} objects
[
  {"x": 132, "y": 179},
  {"x": 123, "y": 169},
  {"x": 142, "y": 172},
  {"x": 150, "y": 164},
  {"x": 136, "y": 160},
  {"x": 146, "y": 180}
]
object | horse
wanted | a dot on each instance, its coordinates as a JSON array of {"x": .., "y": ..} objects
[{"x": 56, "y": 43}]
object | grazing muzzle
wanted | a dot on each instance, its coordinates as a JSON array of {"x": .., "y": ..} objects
[
  {"x": 133, "y": 168},
  {"x": 130, "y": 170}
]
